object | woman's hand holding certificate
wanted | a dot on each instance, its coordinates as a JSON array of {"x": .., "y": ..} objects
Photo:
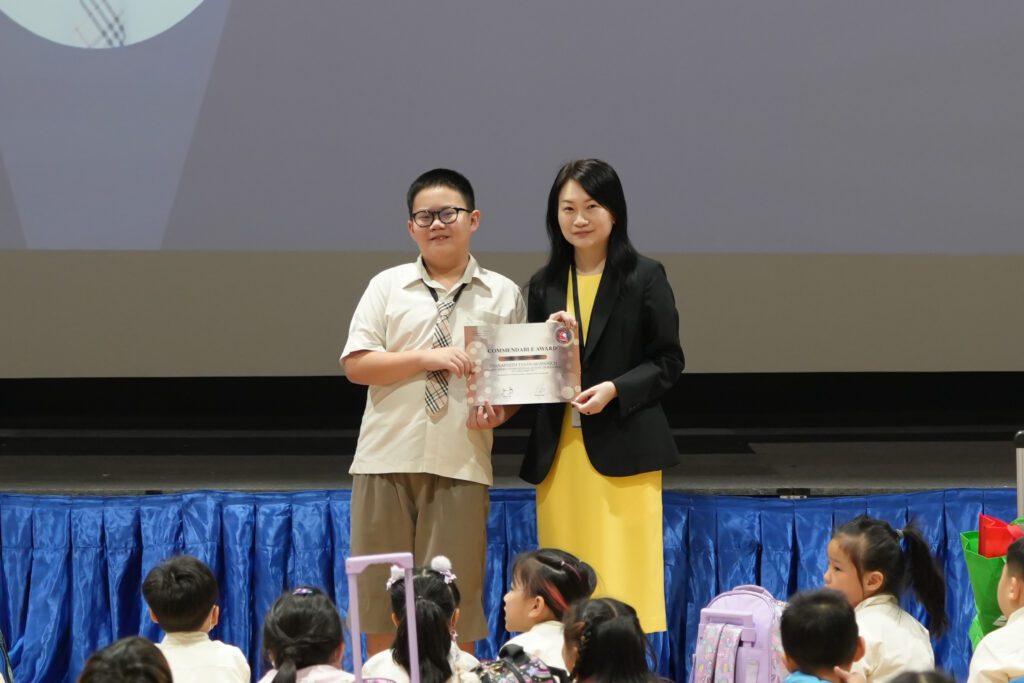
[
  {"x": 593, "y": 400},
  {"x": 563, "y": 317}
]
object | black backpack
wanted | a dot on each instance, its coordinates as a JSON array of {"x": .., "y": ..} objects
[{"x": 513, "y": 665}]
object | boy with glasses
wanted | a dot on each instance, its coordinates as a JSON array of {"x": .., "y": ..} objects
[{"x": 423, "y": 460}]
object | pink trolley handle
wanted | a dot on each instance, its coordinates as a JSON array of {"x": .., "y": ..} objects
[{"x": 354, "y": 566}]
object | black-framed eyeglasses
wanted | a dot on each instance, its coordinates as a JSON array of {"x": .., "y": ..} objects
[{"x": 446, "y": 215}]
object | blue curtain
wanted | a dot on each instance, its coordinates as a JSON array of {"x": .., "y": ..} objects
[{"x": 71, "y": 568}]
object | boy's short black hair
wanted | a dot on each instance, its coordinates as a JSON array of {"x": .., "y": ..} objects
[
  {"x": 819, "y": 630},
  {"x": 1015, "y": 558},
  {"x": 181, "y": 591},
  {"x": 442, "y": 177}
]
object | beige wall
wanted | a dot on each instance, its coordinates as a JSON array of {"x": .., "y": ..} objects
[{"x": 98, "y": 314}]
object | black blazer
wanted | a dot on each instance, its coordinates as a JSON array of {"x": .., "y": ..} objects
[{"x": 633, "y": 341}]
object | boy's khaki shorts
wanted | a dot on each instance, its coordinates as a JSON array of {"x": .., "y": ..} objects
[{"x": 428, "y": 515}]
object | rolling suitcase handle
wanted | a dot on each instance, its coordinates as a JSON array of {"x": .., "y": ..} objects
[
  {"x": 354, "y": 566},
  {"x": 1019, "y": 442}
]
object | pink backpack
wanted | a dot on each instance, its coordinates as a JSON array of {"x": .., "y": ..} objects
[{"x": 738, "y": 640}]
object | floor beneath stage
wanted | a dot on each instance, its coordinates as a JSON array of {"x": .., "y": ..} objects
[{"x": 772, "y": 468}]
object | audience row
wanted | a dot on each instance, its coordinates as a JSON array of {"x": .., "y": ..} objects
[{"x": 853, "y": 630}]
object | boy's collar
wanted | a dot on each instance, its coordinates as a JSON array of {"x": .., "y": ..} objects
[
  {"x": 472, "y": 272},
  {"x": 1017, "y": 615},
  {"x": 186, "y": 637}
]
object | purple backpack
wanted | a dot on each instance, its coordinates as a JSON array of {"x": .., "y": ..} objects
[{"x": 738, "y": 640}]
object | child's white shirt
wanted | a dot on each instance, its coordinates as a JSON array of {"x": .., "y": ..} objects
[
  {"x": 544, "y": 641},
  {"x": 195, "y": 658},
  {"x": 1000, "y": 654},
  {"x": 894, "y": 641},
  {"x": 320, "y": 673},
  {"x": 383, "y": 665}
]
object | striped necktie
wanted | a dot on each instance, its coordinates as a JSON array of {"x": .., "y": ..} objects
[{"x": 436, "y": 394}]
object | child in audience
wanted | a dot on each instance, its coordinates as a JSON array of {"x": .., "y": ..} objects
[
  {"x": 437, "y": 614},
  {"x": 819, "y": 633},
  {"x": 129, "y": 660},
  {"x": 867, "y": 564},
  {"x": 923, "y": 677},
  {"x": 544, "y": 583},
  {"x": 303, "y": 639},
  {"x": 1000, "y": 654},
  {"x": 604, "y": 643},
  {"x": 182, "y": 596}
]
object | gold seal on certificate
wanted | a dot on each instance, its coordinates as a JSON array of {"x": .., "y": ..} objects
[{"x": 518, "y": 364}]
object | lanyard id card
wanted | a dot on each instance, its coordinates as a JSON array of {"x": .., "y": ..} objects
[{"x": 577, "y": 421}]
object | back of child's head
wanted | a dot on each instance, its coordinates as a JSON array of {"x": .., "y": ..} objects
[
  {"x": 923, "y": 677},
  {"x": 1010, "y": 591},
  {"x": 437, "y": 599},
  {"x": 181, "y": 591},
  {"x": 442, "y": 177},
  {"x": 129, "y": 660},
  {"x": 873, "y": 545},
  {"x": 302, "y": 628},
  {"x": 1015, "y": 559},
  {"x": 609, "y": 643},
  {"x": 558, "y": 577},
  {"x": 819, "y": 630}
]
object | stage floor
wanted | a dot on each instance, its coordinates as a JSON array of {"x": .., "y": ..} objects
[{"x": 801, "y": 468}]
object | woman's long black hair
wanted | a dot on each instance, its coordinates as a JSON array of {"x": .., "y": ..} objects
[{"x": 599, "y": 180}]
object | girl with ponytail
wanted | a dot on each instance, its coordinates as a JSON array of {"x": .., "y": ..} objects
[
  {"x": 303, "y": 639},
  {"x": 871, "y": 563},
  {"x": 604, "y": 643},
  {"x": 437, "y": 613}
]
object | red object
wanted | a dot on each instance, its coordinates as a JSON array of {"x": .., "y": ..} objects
[{"x": 995, "y": 536}]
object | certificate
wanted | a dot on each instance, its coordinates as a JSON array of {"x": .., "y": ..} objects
[{"x": 517, "y": 364}]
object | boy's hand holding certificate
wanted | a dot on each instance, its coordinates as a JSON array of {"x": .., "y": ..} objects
[{"x": 519, "y": 364}]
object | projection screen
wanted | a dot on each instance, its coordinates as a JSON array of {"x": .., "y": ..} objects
[{"x": 205, "y": 188}]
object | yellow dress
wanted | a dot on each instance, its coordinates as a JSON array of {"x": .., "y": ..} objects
[{"x": 612, "y": 523}]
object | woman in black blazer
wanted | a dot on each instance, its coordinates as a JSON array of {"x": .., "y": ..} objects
[{"x": 597, "y": 462}]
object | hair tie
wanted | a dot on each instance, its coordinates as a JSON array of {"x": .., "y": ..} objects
[
  {"x": 566, "y": 565},
  {"x": 397, "y": 574},
  {"x": 443, "y": 566},
  {"x": 302, "y": 590},
  {"x": 899, "y": 534},
  {"x": 585, "y": 638}
]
